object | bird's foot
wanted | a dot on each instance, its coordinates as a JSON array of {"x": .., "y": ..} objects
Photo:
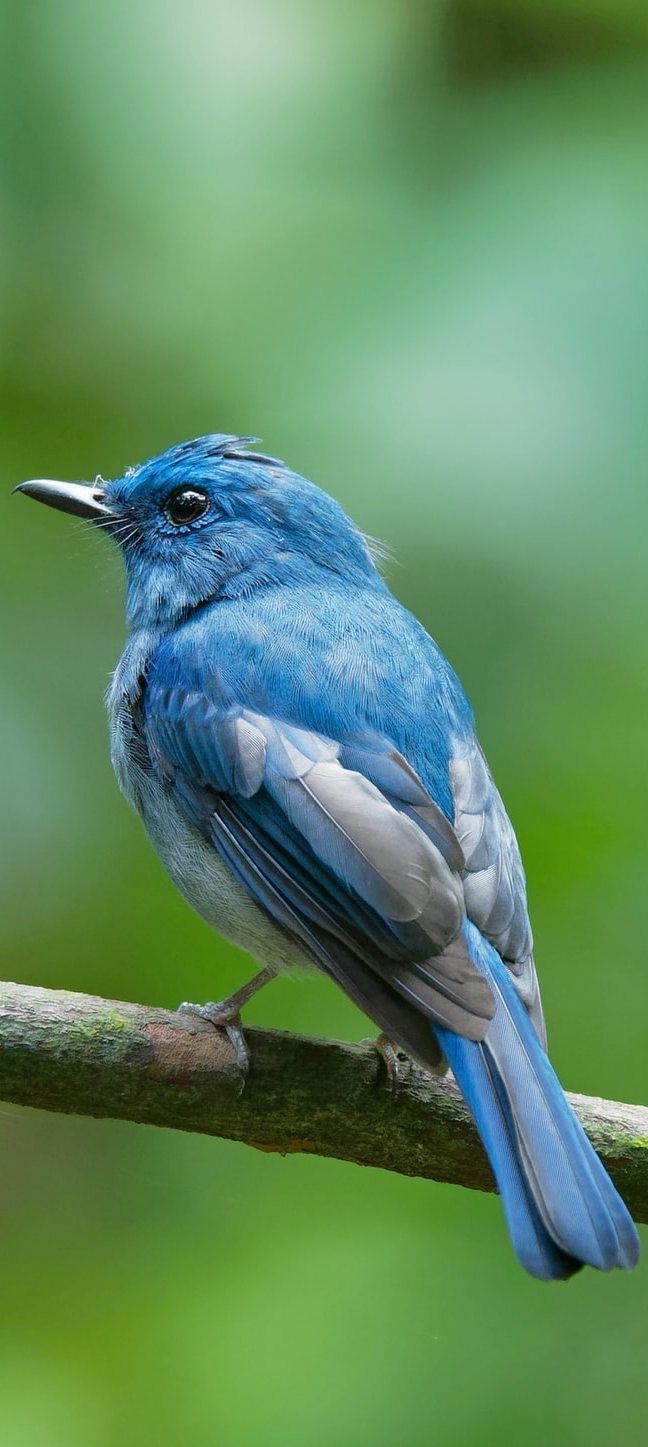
[
  {"x": 224, "y": 1016},
  {"x": 393, "y": 1060}
]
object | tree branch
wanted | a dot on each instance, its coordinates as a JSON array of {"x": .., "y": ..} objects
[{"x": 87, "y": 1056}]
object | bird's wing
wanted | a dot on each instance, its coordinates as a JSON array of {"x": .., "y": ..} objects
[
  {"x": 494, "y": 881},
  {"x": 342, "y": 846}
]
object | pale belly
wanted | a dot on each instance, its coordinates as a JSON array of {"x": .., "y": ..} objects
[
  {"x": 193, "y": 864},
  {"x": 205, "y": 881}
]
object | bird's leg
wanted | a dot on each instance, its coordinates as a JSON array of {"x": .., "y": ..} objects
[
  {"x": 392, "y": 1058},
  {"x": 226, "y": 1015}
]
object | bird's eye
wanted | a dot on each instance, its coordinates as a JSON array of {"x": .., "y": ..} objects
[{"x": 186, "y": 505}]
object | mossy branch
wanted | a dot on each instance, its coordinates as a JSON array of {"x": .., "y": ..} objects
[{"x": 87, "y": 1056}]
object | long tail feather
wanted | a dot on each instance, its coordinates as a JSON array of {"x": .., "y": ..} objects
[{"x": 561, "y": 1207}]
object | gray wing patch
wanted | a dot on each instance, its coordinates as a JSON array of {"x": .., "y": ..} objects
[
  {"x": 394, "y": 858},
  {"x": 400, "y": 784},
  {"x": 494, "y": 881}
]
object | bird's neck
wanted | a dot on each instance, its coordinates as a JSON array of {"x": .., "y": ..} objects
[{"x": 156, "y": 604}]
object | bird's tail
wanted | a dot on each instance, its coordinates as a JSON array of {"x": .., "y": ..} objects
[{"x": 561, "y": 1207}]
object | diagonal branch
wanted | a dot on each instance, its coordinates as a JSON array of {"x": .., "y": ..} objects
[{"x": 87, "y": 1056}]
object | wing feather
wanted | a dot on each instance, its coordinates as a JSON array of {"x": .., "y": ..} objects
[
  {"x": 364, "y": 876},
  {"x": 493, "y": 876}
]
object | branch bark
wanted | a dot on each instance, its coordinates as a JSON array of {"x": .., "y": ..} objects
[{"x": 86, "y": 1056}]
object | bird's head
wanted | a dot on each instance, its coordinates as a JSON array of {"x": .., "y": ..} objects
[{"x": 211, "y": 519}]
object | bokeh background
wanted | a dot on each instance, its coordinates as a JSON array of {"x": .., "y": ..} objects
[{"x": 405, "y": 244}]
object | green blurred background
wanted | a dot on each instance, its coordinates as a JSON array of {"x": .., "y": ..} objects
[{"x": 405, "y": 244}]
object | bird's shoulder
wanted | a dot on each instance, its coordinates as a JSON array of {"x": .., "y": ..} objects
[{"x": 325, "y": 658}]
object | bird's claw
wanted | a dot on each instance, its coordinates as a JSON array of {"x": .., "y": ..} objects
[
  {"x": 393, "y": 1061},
  {"x": 220, "y": 1015}
]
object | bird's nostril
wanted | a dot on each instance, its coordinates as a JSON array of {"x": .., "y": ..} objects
[{"x": 99, "y": 488}]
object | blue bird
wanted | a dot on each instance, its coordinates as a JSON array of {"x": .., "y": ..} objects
[{"x": 305, "y": 763}]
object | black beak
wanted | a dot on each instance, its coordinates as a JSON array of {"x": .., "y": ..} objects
[{"x": 83, "y": 499}]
